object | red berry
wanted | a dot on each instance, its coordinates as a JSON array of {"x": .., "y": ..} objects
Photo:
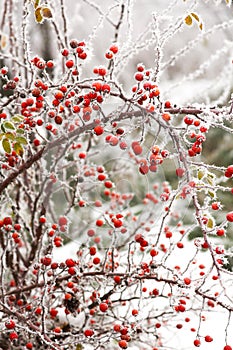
[
  {"x": 227, "y": 347},
  {"x": 29, "y": 345},
  {"x": 65, "y": 52},
  {"x": 187, "y": 281},
  {"x": 53, "y": 313},
  {"x": 46, "y": 261},
  {"x": 102, "y": 71},
  {"x": 50, "y": 64},
  {"x": 197, "y": 343},
  {"x": 108, "y": 184},
  {"x": 70, "y": 263},
  {"x": 96, "y": 260},
  {"x": 139, "y": 76},
  {"x": 62, "y": 221},
  {"x": 117, "y": 279},
  {"x": 134, "y": 312},
  {"x": 42, "y": 220},
  {"x": 123, "y": 344},
  {"x": 181, "y": 308},
  {"x": 180, "y": 172},
  {"x": 109, "y": 55},
  {"x": 208, "y": 339},
  {"x": 7, "y": 220},
  {"x": 58, "y": 119},
  {"x": 114, "y": 49},
  {"x": 166, "y": 117},
  {"x": 99, "y": 222},
  {"x": 98, "y": 130},
  {"x": 137, "y": 148},
  {"x": 13, "y": 336},
  {"x": 229, "y": 170},
  {"x": 188, "y": 120},
  {"x": 88, "y": 332},
  {"x": 4, "y": 70},
  {"x": 36, "y": 142},
  {"x": 101, "y": 177},
  {"x": 180, "y": 245},
  {"x": 69, "y": 64},
  {"x": 229, "y": 216},
  {"x": 10, "y": 324},
  {"x": 215, "y": 206},
  {"x": 71, "y": 271},
  {"x": 103, "y": 307},
  {"x": 167, "y": 104},
  {"x": 92, "y": 250},
  {"x": 106, "y": 88},
  {"x": 57, "y": 330}
]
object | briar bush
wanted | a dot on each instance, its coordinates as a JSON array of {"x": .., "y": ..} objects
[{"x": 114, "y": 228}]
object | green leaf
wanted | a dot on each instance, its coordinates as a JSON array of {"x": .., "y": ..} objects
[
  {"x": 8, "y": 125},
  {"x": 18, "y": 149},
  {"x": 20, "y": 131},
  {"x": 22, "y": 140},
  {"x": 3, "y": 129},
  {"x": 6, "y": 145},
  {"x": 17, "y": 118}
]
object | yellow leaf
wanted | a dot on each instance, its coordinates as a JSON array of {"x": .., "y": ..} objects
[
  {"x": 18, "y": 149},
  {"x": 210, "y": 223},
  {"x": 36, "y": 3},
  {"x": 201, "y": 26},
  {"x": 211, "y": 194},
  {"x": 38, "y": 15},
  {"x": 79, "y": 347},
  {"x": 10, "y": 136},
  {"x": 200, "y": 174},
  {"x": 46, "y": 12},
  {"x": 6, "y": 145},
  {"x": 188, "y": 20},
  {"x": 195, "y": 16},
  {"x": 3, "y": 41}
]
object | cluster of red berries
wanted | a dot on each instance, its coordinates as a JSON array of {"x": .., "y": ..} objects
[
  {"x": 113, "y": 50},
  {"x": 145, "y": 91},
  {"x": 156, "y": 157},
  {"x": 78, "y": 49},
  {"x": 197, "y": 138},
  {"x": 40, "y": 63}
]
